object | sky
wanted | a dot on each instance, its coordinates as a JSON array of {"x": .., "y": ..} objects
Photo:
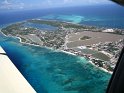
[{"x": 39, "y": 4}]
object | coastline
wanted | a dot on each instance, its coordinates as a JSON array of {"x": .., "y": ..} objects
[
  {"x": 57, "y": 50},
  {"x": 70, "y": 53},
  {"x": 103, "y": 69}
]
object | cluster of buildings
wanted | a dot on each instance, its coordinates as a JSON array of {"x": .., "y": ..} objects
[
  {"x": 57, "y": 40},
  {"x": 112, "y": 50}
]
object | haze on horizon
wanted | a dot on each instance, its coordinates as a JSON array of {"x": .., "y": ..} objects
[{"x": 41, "y": 4}]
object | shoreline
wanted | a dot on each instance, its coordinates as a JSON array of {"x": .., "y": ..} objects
[
  {"x": 70, "y": 53},
  {"x": 57, "y": 50},
  {"x": 103, "y": 69}
]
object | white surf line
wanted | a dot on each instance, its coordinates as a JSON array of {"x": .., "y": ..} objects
[{"x": 11, "y": 80}]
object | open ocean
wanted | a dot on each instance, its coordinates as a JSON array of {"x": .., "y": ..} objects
[
  {"x": 50, "y": 71},
  {"x": 110, "y": 16}
]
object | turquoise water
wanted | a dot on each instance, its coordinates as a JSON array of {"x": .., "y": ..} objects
[
  {"x": 68, "y": 18},
  {"x": 100, "y": 21},
  {"x": 49, "y": 71},
  {"x": 73, "y": 18}
]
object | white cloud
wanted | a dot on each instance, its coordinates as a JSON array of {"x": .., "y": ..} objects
[
  {"x": 11, "y": 5},
  {"x": 67, "y": 1},
  {"x": 49, "y": 2},
  {"x": 5, "y": 2},
  {"x": 33, "y": 4},
  {"x": 85, "y": 2}
]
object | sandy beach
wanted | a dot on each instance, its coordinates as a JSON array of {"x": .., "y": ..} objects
[
  {"x": 101, "y": 68},
  {"x": 59, "y": 50}
]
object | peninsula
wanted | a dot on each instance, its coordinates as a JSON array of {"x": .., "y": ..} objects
[{"x": 101, "y": 46}]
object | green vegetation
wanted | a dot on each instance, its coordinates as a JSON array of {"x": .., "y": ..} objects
[
  {"x": 56, "y": 39},
  {"x": 53, "y": 39},
  {"x": 18, "y": 29},
  {"x": 23, "y": 39},
  {"x": 52, "y": 23},
  {"x": 59, "y": 24},
  {"x": 101, "y": 56},
  {"x": 75, "y": 26},
  {"x": 11, "y": 29},
  {"x": 85, "y": 38}
]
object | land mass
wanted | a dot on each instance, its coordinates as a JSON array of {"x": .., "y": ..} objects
[{"x": 99, "y": 45}]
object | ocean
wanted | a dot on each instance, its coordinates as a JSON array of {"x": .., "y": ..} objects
[
  {"x": 51, "y": 71},
  {"x": 109, "y": 16}
]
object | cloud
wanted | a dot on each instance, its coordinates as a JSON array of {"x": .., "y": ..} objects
[
  {"x": 5, "y": 2},
  {"x": 67, "y": 1},
  {"x": 82, "y": 2},
  {"x": 49, "y": 2},
  {"x": 97, "y": 1},
  {"x": 34, "y": 4},
  {"x": 11, "y": 5}
]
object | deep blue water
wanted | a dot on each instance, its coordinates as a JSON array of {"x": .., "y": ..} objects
[
  {"x": 49, "y": 71},
  {"x": 111, "y": 16}
]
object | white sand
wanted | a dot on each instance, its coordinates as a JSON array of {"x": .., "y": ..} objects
[
  {"x": 68, "y": 52},
  {"x": 11, "y": 80},
  {"x": 110, "y": 72}
]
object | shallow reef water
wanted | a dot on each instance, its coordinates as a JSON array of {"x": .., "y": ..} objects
[{"x": 50, "y": 71}]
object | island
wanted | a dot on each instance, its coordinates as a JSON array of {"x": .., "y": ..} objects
[{"x": 101, "y": 46}]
